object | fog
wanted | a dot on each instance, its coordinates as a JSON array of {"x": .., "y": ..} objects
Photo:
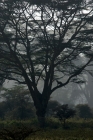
[{"x": 72, "y": 93}]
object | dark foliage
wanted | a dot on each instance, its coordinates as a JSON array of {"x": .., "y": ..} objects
[
  {"x": 84, "y": 111},
  {"x": 63, "y": 112},
  {"x": 16, "y": 133},
  {"x": 52, "y": 104},
  {"x": 17, "y": 104}
]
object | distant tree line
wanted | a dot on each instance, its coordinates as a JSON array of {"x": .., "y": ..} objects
[{"x": 17, "y": 104}]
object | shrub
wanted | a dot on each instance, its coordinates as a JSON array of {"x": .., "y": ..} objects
[
  {"x": 84, "y": 111},
  {"x": 63, "y": 112}
]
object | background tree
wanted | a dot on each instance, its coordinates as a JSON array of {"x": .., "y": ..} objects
[
  {"x": 69, "y": 94},
  {"x": 63, "y": 112},
  {"x": 16, "y": 104},
  {"x": 84, "y": 111},
  {"x": 52, "y": 104},
  {"x": 87, "y": 89},
  {"x": 43, "y": 42},
  {"x": 82, "y": 93}
]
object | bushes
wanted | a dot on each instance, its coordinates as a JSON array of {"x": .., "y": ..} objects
[
  {"x": 63, "y": 112},
  {"x": 84, "y": 111},
  {"x": 15, "y": 133}
]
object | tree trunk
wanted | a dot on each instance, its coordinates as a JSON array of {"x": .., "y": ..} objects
[
  {"x": 41, "y": 120},
  {"x": 41, "y": 106},
  {"x": 40, "y": 103}
]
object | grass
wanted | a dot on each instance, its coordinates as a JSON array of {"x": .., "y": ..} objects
[
  {"x": 77, "y": 129},
  {"x": 60, "y": 134}
]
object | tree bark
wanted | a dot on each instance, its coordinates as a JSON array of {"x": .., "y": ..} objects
[
  {"x": 41, "y": 118},
  {"x": 41, "y": 106},
  {"x": 40, "y": 103}
]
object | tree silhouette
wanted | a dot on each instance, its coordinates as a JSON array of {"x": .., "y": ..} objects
[
  {"x": 63, "y": 112},
  {"x": 43, "y": 42},
  {"x": 84, "y": 111}
]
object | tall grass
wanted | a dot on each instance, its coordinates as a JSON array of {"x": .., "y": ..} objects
[{"x": 77, "y": 129}]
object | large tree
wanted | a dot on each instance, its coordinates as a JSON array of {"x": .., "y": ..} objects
[{"x": 44, "y": 41}]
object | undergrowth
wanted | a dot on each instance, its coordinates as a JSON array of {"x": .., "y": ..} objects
[{"x": 77, "y": 129}]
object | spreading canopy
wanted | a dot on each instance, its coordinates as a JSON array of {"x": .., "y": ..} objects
[{"x": 45, "y": 41}]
